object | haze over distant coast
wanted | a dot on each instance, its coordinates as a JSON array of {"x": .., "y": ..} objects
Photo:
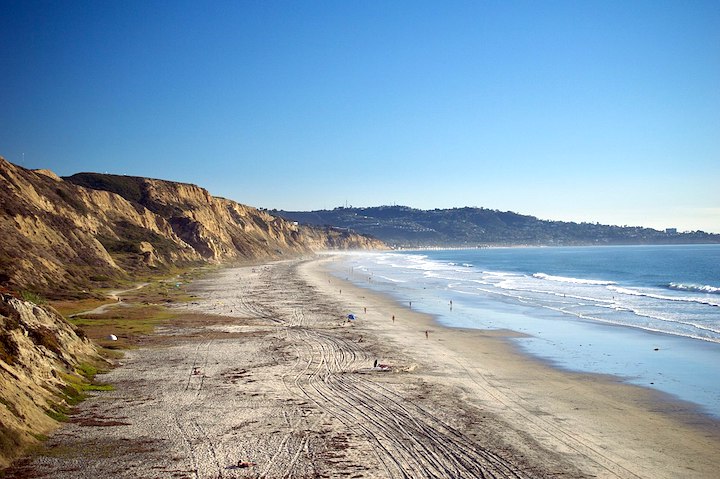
[{"x": 471, "y": 227}]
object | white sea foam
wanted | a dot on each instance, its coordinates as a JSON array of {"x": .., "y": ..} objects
[
  {"x": 387, "y": 278},
  {"x": 687, "y": 299},
  {"x": 557, "y": 309},
  {"x": 645, "y": 327},
  {"x": 695, "y": 288},
  {"x": 589, "y": 299},
  {"x": 563, "y": 279}
]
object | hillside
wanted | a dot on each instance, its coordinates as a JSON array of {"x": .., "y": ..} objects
[
  {"x": 64, "y": 236},
  {"x": 44, "y": 367},
  {"x": 469, "y": 227}
]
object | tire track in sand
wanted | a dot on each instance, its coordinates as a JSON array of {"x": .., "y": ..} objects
[
  {"x": 410, "y": 442},
  {"x": 331, "y": 373},
  {"x": 201, "y": 447}
]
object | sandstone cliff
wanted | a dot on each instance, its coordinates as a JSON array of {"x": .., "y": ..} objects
[
  {"x": 40, "y": 354},
  {"x": 63, "y": 236}
]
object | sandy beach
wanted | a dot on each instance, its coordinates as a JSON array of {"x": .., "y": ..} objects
[{"x": 266, "y": 377}]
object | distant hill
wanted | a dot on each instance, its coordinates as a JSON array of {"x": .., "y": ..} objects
[
  {"x": 469, "y": 227},
  {"x": 60, "y": 236}
]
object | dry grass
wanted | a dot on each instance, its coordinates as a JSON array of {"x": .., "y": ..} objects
[
  {"x": 129, "y": 323},
  {"x": 70, "y": 307},
  {"x": 133, "y": 320}
]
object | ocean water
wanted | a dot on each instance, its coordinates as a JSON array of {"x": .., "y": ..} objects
[{"x": 649, "y": 315}]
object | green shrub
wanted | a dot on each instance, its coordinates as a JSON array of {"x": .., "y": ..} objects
[
  {"x": 99, "y": 387},
  {"x": 32, "y": 297},
  {"x": 58, "y": 411},
  {"x": 88, "y": 371},
  {"x": 72, "y": 395}
]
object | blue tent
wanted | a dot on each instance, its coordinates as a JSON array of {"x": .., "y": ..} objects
[{"x": 351, "y": 317}]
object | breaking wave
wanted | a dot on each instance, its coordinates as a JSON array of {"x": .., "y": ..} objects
[
  {"x": 695, "y": 288},
  {"x": 563, "y": 279},
  {"x": 634, "y": 292}
]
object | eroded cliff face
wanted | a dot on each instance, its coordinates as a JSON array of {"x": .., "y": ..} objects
[
  {"x": 219, "y": 229},
  {"x": 63, "y": 236},
  {"x": 39, "y": 355},
  {"x": 56, "y": 235}
]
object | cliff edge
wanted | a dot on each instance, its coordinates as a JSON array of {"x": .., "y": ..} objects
[{"x": 63, "y": 236}]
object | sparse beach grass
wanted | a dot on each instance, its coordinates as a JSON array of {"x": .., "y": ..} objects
[
  {"x": 70, "y": 307},
  {"x": 140, "y": 310},
  {"x": 128, "y": 323}
]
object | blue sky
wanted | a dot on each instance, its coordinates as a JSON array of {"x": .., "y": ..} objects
[{"x": 585, "y": 111}]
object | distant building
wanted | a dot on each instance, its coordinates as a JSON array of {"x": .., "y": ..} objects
[{"x": 671, "y": 231}]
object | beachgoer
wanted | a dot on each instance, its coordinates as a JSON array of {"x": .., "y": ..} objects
[
  {"x": 393, "y": 318},
  {"x": 426, "y": 335},
  {"x": 375, "y": 364}
]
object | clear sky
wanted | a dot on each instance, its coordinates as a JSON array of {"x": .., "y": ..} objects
[{"x": 597, "y": 111}]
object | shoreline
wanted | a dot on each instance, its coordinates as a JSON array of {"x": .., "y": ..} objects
[
  {"x": 262, "y": 375},
  {"x": 589, "y": 332},
  {"x": 634, "y": 413}
]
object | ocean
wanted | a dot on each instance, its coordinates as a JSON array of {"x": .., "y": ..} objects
[{"x": 649, "y": 315}]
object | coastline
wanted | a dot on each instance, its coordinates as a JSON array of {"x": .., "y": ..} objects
[
  {"x": 622, "y": 428},
  {"x": 638, "y": 314},
  {"x": 263, "y": 376}
]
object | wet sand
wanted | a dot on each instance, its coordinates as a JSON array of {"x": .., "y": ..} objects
[
  {"x": 270, "y": 379},
  {"x": 604, "y": 427}
]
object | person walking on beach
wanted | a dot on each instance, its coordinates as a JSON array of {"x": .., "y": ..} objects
[
  {"x": 393, "y": 318},
  {"x": 426, "y": 334}
]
